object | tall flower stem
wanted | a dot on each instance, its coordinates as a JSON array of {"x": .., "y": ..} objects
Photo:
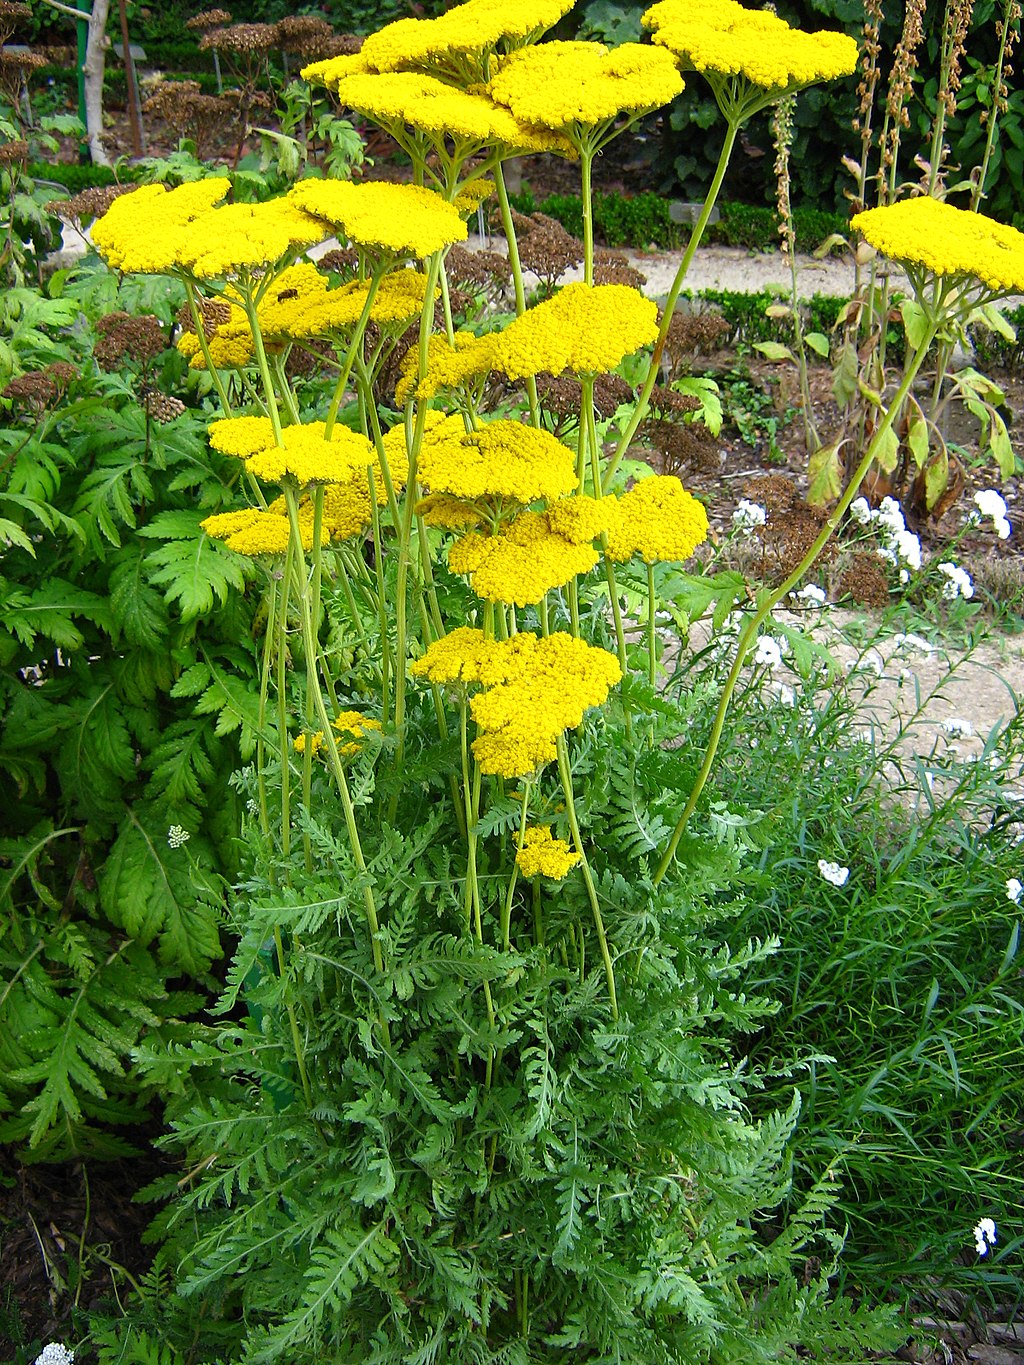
[
  {"x": 587, "y": 204},
  {"x": 771, "y": 599},
  {"x": 506, "y": 912},
  {"x": 654, "y": 365},
  {"x": 313, "y": 651},
  {"x": 354, "y": 347},
  {"x": 204, "y": 346},
  {"x": 565, "y": 774},
  {"x": 471, "y": 798},
  {"x": 508, "y": 227}
]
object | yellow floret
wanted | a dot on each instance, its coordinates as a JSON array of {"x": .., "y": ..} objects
[
  {"x": 306, "y": 457},
  {"x": 241, "y": 436},
  {"x": 523, "y": 563}
]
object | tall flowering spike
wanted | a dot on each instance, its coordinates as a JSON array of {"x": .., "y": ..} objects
[
  {"x": 396, "y": 220},
  {"x": 722, "y": 37},
  {"x": 947, "y": 241},
  {"x": 572, "y": 86}
]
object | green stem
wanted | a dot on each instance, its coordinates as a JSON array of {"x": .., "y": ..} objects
[
  {"x": 565, "y": 774},
  {"x": 771, "y": 599},
  {"x": 506, "y": 913},
  {"x": 354, "y": 347},
  {"x": 293, "y": 1024},
  {"x": 204, "y": 346},
  {"x": 508, "y": 227},
  {"x": 652, "y": 640},
  {"x": 654, "y": 365},
  {"x": 587, "y": 202}
]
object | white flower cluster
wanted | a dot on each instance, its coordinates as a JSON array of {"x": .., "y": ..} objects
[
  {"x": 768, "y": 652},
  {"x": 991, "y": 504},
  {"x": 811, "y": 594},
  {"x": 832, "y": 872},
  {"x": 1014, "y": 890},
  {"x": 748, "y": 516},
  {"x": 177, "y": 835},
  {"x": 957, "y": 728},
  {"x": 898, "y": 545},
  {"x": 958, "y": 582},
  {"x": 55, "y": 1354},
  {"x": 984, "y": 1236}
]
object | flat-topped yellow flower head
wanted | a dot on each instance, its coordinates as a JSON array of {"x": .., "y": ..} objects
[
  {"x": 145, "y": 231},
  {"x": 658, "y": 520},
  {"x": 724, "y": 38},
  {"x": 527, "y": 560},
  {"x": 255, "y": 532},
  {"x": 502, "y": 459},
  {"x": 542, "y": 855},
  {"x": 460, "y": 41},
  {"x": 533, "y": 690},
  {"x": 393, "y": 220},
  {"x": 305, "y": 456},
  {"x": 240, "y": 237},
  {"x": 241, "y": 436},
  {"x": 329, "y": 70},
  {"x": 945, "y": 240},
  {"x": 588, "y": 329},
  {"x": 401, "y": 99},
  {"x": 575, "y": 85}
]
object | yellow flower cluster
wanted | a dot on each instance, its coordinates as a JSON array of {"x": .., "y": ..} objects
[
  {"x": 241, "y": 436},
  {"x": 399, "y": 220},
  {"x": 658, "y": 520},
  {"x": 238, "y": 237},
  {"x": 465, "y": 30},
  {"x": 143, "y": 231},
  {"x": 352, "y": 723},
  {"x": 303, "y": 455},
  {"x": 407, "y": 98},
  {"x": 534, "y": 689},
  {"x": 582, "y": 518},
  {"x": 448, "y": 513},
  {"x": 565, "y": 85},
  {"x": 447, "y": 366},
  {"x": 254, "y": 532},
  {"x": 502, "y": 459},
  {"x": 723, "y": 37},
  {"x": 585, "y": 328},
  {"x": 306, "y": 457},
  {"x": 542, "y": 855},
  {"x": 300, "y": 303},
  {"x": 947, "y": 241},
  {"x": 522, "y": 563}
]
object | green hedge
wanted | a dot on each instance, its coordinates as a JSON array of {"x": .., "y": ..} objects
[{"x": 642, "y": 220}]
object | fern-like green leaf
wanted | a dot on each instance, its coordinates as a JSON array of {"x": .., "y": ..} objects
[{"x": 195, "y": 571}]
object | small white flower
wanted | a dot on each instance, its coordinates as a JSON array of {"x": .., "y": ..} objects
[
  {"x": 908, "y": 548},
  {"x": 768, "y": 652},
  {"x": 252, "y": 806},
  {"x": 860, "y": 511},
  {"x": 914, "y": 642},
  {"x": 177, "y": 835},
  {"x": 984, "y": 1236},
  {"x": 990, "y": 503},
  {"x": 748, "y": 515},
  {"x": 890, "y": 516},
  {"x": 1002, "y": 528},
  {"x": 832, "y": 872},
  {"x": 811, "y": 594},
  {"x": 1014, "y": 890},
  {"x": 958, "y": 727},
  {"x": 958, "y": 582},
  {"x": 55, "y": 1354}
]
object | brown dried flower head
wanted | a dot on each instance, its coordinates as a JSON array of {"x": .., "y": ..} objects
[
  {"x": 209, "y": 18},
  {"x": 161, "y": 406},
  {"x": 12, "y": 16},
  {"x": 125, "y": 335},
  {"x": 611, "y": 267},
  {"x": 545, "y": 247},
  {"x": 245, "y": 40},
  {"x": 88, "y": 204},
  {"x": 305, "y": 34},
  {"x": 35, "y": 389},
  {"x": 15, "y": 150},
  {"x": 865, "y": 580}
]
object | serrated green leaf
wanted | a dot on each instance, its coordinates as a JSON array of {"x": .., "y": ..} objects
[
  {"x": 147, "y": 889},
  {"x": 195, "y": 571},
  {"x": 140, "y": 611}
]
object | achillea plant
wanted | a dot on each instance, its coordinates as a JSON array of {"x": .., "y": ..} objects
[{"x": 459, "y": 1099}]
